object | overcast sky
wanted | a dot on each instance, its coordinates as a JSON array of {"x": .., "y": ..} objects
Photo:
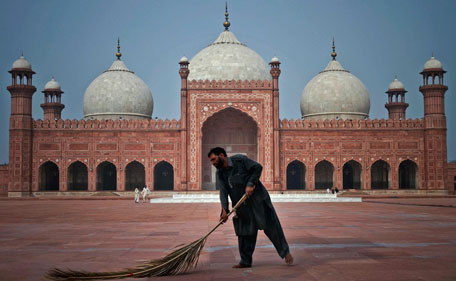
[{"x": 75, "y": 41}]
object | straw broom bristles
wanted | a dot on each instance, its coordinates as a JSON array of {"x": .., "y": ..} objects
[{"x": 177, "y": 262}]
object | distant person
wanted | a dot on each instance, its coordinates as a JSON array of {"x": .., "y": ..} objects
[
  {"x": 145, "y": 194},
  {"x": 136, "y": 195},
  {"x": 328, "y": 190}
]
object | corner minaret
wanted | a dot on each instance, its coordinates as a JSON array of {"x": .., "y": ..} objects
[
  {"x": 396, "y": 104},
  {"x": 183, "y": 72},
  {"x": 275, "y": 73},
  {"x": 433, "y": 91},
  {"x": 20, "y": 132},
  {"x": 435, "y": 143},
  {"x": 52, "y": 106}
]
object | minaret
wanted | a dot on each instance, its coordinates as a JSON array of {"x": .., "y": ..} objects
[
  {"x": 435, "y": 144},
  {"x": 20, "y": 132},
  {"x": 396, "y": 104},
  {"x": 433, "y": 91},
  {"x": 52, "y": 106}
]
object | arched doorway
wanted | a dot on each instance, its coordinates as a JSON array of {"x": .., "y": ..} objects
[
  {"x": 163, "y": 176},
  {"x": 106, "y": 176},
  {"x": 408, "y": 175},
  {"x": 49, "y": 177},
  {"x": 296, "y": 175},
  {"x": 135, "y": 176},
  {"x": 351, "y": 175},
  {"x": 380, "y": 175},
  {"x": 233, "y": 130},
  {"x": 324, "y": 173},
  {"x": 77, "y": 177}
]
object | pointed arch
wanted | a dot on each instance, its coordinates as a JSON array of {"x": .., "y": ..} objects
[
  {"x": 77, "y": 178},
  {"x": 106, "y": 176},
  {"x": 352, "y": 175},
  {"x": 135, "y": 176},
  {"x": 408, "y": 175},
  {"x": 380, "y": 175},
  {"x": 49, "y": 177},
  {"x": 163, "y": 176},
  {"x": 232, "y": 129},
  {"x": 296, "y": 175},
  {"x": 324, "y": 175}
]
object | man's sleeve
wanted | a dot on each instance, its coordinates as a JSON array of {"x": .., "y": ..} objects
[
  {"x": 223, "y": 192},
  {"x": 254, "y": 170}
]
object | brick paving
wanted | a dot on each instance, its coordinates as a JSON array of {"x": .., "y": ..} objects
[{"x": 378, "y": 239}]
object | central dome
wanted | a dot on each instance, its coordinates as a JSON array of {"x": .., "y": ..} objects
[{"x": 228, "y": 59}]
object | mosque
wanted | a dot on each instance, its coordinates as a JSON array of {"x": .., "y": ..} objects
[{"x": 230, "y": 98}]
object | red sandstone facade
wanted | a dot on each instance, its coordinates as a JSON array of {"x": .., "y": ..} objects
[{"x": 243, "y": 116}]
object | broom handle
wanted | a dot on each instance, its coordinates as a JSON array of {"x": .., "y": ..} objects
[{"x": 232, "y": 211}]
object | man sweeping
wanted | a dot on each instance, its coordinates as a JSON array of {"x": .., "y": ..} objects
[{"x": 238, "y": 175}]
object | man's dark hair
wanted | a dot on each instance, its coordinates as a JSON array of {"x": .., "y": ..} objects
[{"x": 217, "y": 151}]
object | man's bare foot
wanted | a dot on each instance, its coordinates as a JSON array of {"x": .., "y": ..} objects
[
  {"x": 289, "y": 259},
  {"x": 240, "y": 265}
]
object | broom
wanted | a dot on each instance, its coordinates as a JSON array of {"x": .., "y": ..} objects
[{"x": 177, "y": 262}]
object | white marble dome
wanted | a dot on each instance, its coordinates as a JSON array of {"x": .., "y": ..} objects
[
  {"x": 335, "y": 93},
  {"x": 432, "y": 63},
  {"x": 396, "y": 84},
  {"x": 22, "y": 63},
  {"x": 118, "y": 94},
  {"x": 52, "y": 85},
  {"x": 228, "y": 59}
]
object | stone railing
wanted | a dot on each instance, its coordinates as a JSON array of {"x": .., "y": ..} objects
[
  {"x": 229, "y": 84},
  {"x": 82, "y": 124},
  {"x": 351, "y": 124}
]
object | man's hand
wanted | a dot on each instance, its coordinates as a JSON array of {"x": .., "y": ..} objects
[
  {"x": 223, "y": 216},
  {"x": 249, "y": 191}
]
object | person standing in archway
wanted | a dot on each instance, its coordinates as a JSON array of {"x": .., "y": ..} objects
[{"x": 235, "y": 176}]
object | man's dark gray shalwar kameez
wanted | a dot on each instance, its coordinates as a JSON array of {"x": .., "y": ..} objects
[{"x": 256, "y": 212}]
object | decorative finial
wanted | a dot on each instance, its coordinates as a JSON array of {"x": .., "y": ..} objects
[
  {"x": 22, "y": 53},
  {"x": 226, "y": 24},
  {"x": 334, "y": 54},
  {"x": 432, "y": 54},
  {"x": 118, "y": 54}
]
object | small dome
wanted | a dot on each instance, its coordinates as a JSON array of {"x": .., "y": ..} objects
[
  {"x": 275, "y": 59},
  {"x": 335, "y": 93},
  {"x": 22, "y": 63},
  {"x": 52, "y": 85},
  {"x": 183, "y": 59},
  {"x": 118, "y": 93},
  {"x": 396, "y": 85},
  {"x": 432, "y": 63},
  {"x": 228, "y": 59}
]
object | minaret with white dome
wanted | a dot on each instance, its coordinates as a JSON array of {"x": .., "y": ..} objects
[
  {"x": 396, "y": 104},
  {"x": 118, "y": 94},
  {"x": 52, "y": 106},
  {"x": 335, "y": 93}
]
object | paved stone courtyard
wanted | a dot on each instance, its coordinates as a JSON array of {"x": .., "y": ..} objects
[{"x": 378, "y": 239}]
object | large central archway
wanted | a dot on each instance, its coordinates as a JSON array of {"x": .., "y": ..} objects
[{"x": 233, "y": 130}]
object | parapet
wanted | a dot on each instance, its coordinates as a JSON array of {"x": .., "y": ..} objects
[
  {"x": 229, "y": 84},
  {"x": 96, "y": 124},
  {"x": 351, "y": 124}
]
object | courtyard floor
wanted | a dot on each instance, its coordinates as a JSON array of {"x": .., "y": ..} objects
[{"x": 378, "y": 239}]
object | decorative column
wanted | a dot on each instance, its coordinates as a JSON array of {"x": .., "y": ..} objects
[
  {"x": 183, "y": 72},
  {"x": 275, "y": 73}
]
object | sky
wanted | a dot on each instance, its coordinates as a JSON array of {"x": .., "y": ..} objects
[{"x": 75, "y": 41}]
